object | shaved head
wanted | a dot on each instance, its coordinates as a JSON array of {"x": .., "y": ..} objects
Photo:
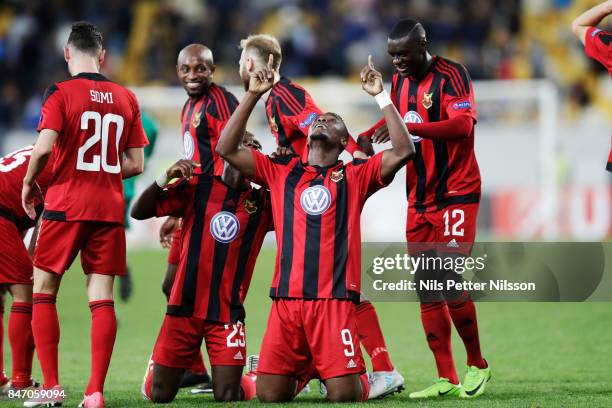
[
  {"x": 195, "y": 68},
  {"x": 196, "y": 51},
  {"x": 407, "y": 29}
]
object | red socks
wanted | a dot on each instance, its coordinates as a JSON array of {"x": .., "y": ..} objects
[
  {"x": 198, "y": 366},
  {"x": 371, "y": 337},
  {"x": 103, "y": 333},
  {"x": 148, "y": 382},
  {"x": 22, "y": 343},
  {"x": 463, "y": 314},
  {"x": 45, "y": 327},
  {"x": 437, "y": 324},
  {"x": 248, "y": 386},
  {"x": 365, "y": 387}
]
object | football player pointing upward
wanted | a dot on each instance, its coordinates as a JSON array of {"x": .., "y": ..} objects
[
  {"x": 290, "y": 113},
  {"x": 95, "y": 129},
  {"x": 316, "y": 207},
  {"x": 434, "y": 95}
]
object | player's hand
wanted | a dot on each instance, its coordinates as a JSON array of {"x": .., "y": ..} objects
[
  {"x": 381, "y": 135},
  {"x": 30, "y": 195},
  {"x": 371, "y": 79},
  {"x": 262, "y": 80},
  {"x": 182, "y": 168},
  {"x": 282, "y": 151},
  {"x": 166, "y": 231}
]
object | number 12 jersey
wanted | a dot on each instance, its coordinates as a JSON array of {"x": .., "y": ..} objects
[{"x": 96, "y": 120}]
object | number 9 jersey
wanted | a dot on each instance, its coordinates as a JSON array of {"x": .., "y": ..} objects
[{"x": 96, "y": 121}]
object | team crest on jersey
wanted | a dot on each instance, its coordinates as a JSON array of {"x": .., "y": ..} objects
[
  {"x": 250, "y": 206},
  {"x": 273, "y": 124},
  {"x": 413, "y": 117},
  {"x": 188, "y": 146},
  {"x": 197, "y": 118},
  {"x": 427, "y": 100},
  {"x": 336, "y": 176},
  {"x": 315, "y": 200},
  {"x": 224, "y": 227}
]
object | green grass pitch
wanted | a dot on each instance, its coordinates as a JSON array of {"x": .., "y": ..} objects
[{"x": 541, "y": 354}]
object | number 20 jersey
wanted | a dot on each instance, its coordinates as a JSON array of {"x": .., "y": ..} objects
[{"x": 96, "y": 120}]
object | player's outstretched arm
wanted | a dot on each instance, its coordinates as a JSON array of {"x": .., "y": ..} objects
[
  {"x": 40, "y": 156},
  {"x": 402, "y": 148},
  {"x": 145, "y": 206},
  {"x": 133, "y": 162},
  {"x": 229, "y": 145},
  {"x": 590, "y": 18}
]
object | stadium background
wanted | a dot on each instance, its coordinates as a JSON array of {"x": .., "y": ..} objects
[{"x": 545, "y": 113}]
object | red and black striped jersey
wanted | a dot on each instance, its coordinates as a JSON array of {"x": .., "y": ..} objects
[
  {"x": 290, "y": 111},
  {"x": 443, "y": 172},
  {"x": 202, "y": 120},
  {"x": 317, "y": 214},
  {"x": 598, "y": 45},
  {"x": 13, "y": 168},
  {"x": 222, "y": 231}
]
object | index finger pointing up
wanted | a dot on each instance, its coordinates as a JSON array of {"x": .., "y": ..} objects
[
  {"x": 271, "y": 61},
  {"x": 370, "y": 63}
]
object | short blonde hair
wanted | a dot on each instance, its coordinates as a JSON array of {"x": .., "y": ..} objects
[{"x": 263, "y": 45}]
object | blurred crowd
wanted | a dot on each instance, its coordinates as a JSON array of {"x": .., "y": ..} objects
[{"x": 319, "y": 38}]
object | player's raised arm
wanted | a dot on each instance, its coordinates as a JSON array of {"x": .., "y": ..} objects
[
  {"x": 146, "y": 205},
  {"x": 402, "y": 148},
  {"x": 591, "y": 18},
  {"x": 229, "y": 145},
  {"x": 40, "y": 156}
]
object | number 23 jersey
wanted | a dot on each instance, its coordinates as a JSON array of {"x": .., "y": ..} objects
[{"x": 96, "y": 121}]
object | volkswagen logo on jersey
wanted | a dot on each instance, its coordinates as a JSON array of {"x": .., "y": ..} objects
[
  {"x": 188, "y": 147},
  {"x": 413, "y": 117},
  {"x": 315, "y": 200},
  {"x": 224, "y": 227}
]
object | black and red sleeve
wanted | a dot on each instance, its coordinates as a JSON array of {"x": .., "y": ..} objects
[
  {"x": 53, "y": 110},
  {"x": 458, "y": 93},
  {"x": 223, "y": 104},
  {"x": 597, "y": 46}
]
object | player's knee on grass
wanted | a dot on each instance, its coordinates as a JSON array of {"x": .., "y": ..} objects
[
  {"x": 275, "y": 388},
  {"x": 166, "y": 383},
  {"x": 226, "y": 383},
  {"x": 344, "y": 389}
]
